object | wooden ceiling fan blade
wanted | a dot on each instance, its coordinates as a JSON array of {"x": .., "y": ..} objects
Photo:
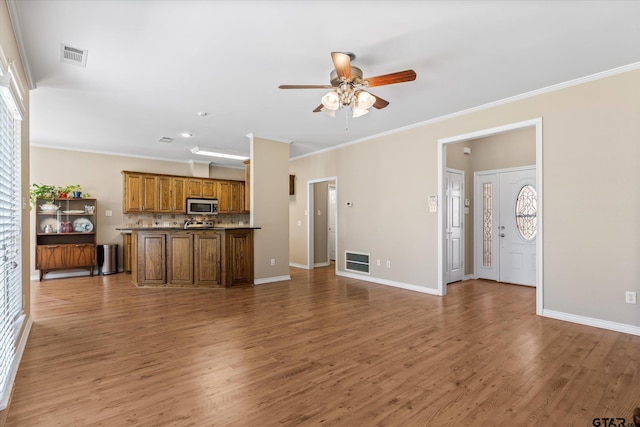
[
  {"x": 305, "y": 86},
  {"x": 318, "y": 108},
  {"x": 380, "y": 103},
  {"x": 389, "y": 79},
  {"x": 342, "y": 63}
]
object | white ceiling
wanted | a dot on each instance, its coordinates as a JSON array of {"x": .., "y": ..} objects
[{"x": 152, "y": 65}]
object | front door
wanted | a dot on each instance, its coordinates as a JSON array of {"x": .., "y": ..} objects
[
  {"x": 454, "y": 239},
  {"x": 506, "y": 226},
  {"x": 518, "y": 226}
]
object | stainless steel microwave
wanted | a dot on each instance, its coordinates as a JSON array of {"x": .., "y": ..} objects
[{"x": 202, "y": 206}]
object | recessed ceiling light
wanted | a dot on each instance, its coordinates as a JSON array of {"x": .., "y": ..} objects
[
  {"x": 202, "y": 113},
  {"x": 204, "y": 151},
  {"x": 186, "y": 134}
]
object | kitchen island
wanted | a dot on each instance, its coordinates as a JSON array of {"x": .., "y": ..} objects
[{"x": 216, "y": 257}]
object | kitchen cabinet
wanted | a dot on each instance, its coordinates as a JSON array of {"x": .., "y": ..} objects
[
  {"x": 126, "y": 252},
  {"x": 231, "y": 197},
  {"x": 157, "y": 193},
  {"x": 206, "y": 259},
  {"x": 192, "y": 258},
  {"x": 148, "y": 260},
  {"x": 140, "y": 193},
  {"x": 194, "y": 187},
  {"x": 180, "y": 258},
  {"x": 65, "y": 235},
  {"x": 236, "y": 196},
  {"x": 224, "y": 203},
  {"x": 171, "y": 194},
  {"x": 239, "y": 262},
  {"x": 209, "y": 189}
]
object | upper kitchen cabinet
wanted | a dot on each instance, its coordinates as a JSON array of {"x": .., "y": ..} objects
[
  {"x": 172, "y": 194},
  {"x": 140, "y": 192},
  {"x": 231, "y": 197},
  {"x": 156, "y": 193},
  {"x": 209, "y": 189},
  {"x": 194, "y": 187}
]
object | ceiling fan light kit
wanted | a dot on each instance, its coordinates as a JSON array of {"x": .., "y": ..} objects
[{"x": 347, "y": 87}]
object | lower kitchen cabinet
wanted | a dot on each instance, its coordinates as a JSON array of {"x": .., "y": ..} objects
[
  {"x": 239, "y": 248},
  {"x": 192, "y": 258},
  {"x": 180, "y": 254},
  {"x": 207, "y": 259},
  {"x": 148, "y": 258}
]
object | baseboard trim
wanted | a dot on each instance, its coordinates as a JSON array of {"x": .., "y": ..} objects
[
  {"x": 322, "y": 264},
  {"x": 296, "y": 265},
  {"x": 271, "y": 279},
  {"x": 13, "y": 371},
  {"x": 590, "y": 321},
  {"x": 407, "y": 286},
  {"x": 468, "y": 277}
]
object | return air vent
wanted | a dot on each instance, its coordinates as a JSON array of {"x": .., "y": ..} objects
[
  {"x": 166, "y": 139},
  {"x": 73, "y": 55},
  {"x": 357, "y": 262}
]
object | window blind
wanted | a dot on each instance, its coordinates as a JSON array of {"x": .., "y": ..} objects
[{"x": 11, "y": 310}]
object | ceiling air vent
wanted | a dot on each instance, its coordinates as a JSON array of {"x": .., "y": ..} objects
[
  {"x": 73, "y": 55},
  {"x": 166, "y": 139}
]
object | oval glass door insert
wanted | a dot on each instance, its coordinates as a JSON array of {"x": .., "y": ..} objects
[{"x": 527, "y": 212}]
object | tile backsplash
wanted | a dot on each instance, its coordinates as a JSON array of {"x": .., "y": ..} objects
[{"x": 173, "y": 220}]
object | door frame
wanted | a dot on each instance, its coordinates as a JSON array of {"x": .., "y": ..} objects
[
  {"x": 310, "y": 219},
  {"x": 442, "y": 162}
]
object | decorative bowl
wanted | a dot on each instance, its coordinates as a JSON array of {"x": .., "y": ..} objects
[{"x": 48, "y": 207}]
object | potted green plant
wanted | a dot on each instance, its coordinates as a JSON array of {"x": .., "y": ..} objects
[
  {"x": 75, "y": 190},
  {"x": 44, "y": 192}
]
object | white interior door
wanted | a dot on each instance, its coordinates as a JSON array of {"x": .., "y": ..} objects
[
  {"x": 454, "y": 229},
  {"x": 518, "y": 227},
  {"x": 332, "y": 222}
]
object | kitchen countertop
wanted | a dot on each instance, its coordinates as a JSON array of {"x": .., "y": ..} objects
[{"x": 216, "y": 227}]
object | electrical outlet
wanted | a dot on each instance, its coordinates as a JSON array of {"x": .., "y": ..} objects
[
  {"x": 630, "y": 297},
  {"x": 273, "y": 262},
  {"x": 388, "y": 264},
  {"x": 378, "y": 263}
]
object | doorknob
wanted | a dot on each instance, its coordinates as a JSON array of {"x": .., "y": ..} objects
[{"x": 501, "y": 234}]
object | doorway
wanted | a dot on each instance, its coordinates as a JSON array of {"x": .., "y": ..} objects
[
  {"x": 322, "y": 222},
  {"x": 506, "y": 222},
  {"x": 536, "y": 125}
]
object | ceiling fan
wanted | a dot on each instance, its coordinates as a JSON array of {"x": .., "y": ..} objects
[{"x": 348, "y": 87}]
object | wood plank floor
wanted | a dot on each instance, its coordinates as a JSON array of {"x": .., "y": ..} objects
[{"x": 317, "y": 350}]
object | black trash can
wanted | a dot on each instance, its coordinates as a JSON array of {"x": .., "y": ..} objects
[{"x": 107, "y": 259}]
